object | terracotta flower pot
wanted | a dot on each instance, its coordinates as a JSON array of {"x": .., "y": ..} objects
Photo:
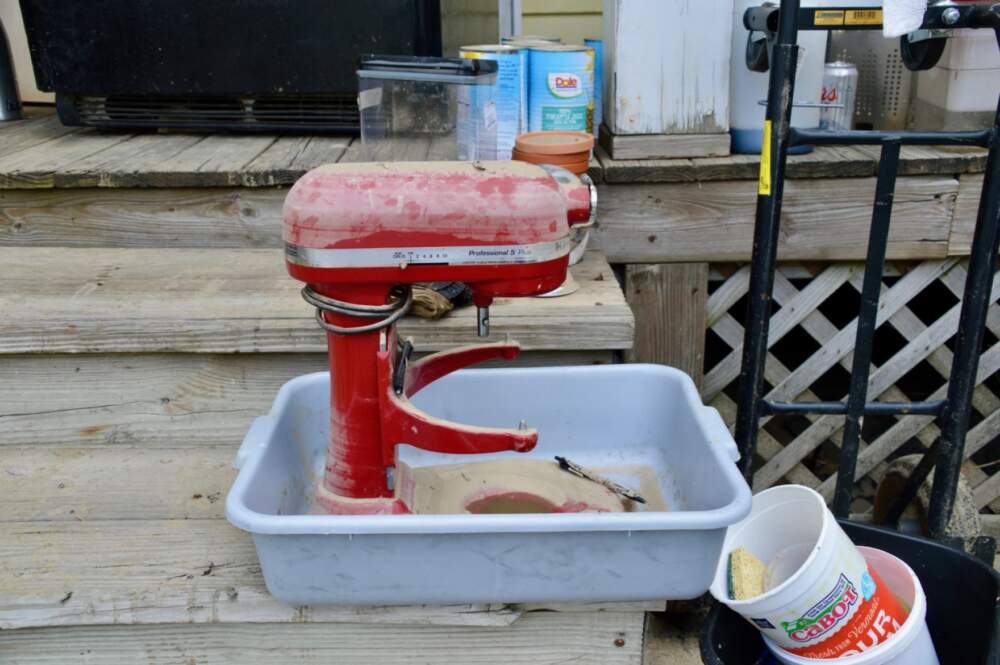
[{"x": 570, "y": 150}]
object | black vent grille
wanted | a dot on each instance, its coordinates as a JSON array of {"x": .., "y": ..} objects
[{"x": 292, "y": 112}]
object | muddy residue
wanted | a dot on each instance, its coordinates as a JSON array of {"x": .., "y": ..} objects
[{"x": 508, "y": 486}]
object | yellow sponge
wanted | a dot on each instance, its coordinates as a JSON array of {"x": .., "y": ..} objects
[{"x": 747, "y": 575}]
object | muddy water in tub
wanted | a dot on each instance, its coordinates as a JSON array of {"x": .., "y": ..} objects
[{"x": 522, "y": 486}]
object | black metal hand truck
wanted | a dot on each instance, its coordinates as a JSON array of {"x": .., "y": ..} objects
[{"x": 919, "y": 51}]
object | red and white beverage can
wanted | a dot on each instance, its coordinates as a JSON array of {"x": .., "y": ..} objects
[{"x": 840, "y": 93}]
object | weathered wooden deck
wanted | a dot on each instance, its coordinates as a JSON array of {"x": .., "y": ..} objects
[{"x": 149, "y": 319}]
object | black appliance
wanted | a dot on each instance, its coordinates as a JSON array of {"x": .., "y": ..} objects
[{"x": 248, "y": 65}]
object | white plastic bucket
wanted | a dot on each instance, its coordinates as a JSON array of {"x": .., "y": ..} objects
[
  {"x": 822, "y": 594},
  {"x": 910, "y": 644}
]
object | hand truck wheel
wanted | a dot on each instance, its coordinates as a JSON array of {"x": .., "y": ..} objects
[{"x": 922, "y": 55}]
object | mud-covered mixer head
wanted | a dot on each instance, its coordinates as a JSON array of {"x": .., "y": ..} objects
[
  {"x": 363, "y": 233},
  {"x": 360, "y": 236}
]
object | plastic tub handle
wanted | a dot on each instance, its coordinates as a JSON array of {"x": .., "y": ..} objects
[
  {"x": 718, "y": 431},
  {"x": 255, "y": 441}
]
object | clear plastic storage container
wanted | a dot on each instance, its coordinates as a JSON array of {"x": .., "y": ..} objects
[{"x": 419, "y": 108}]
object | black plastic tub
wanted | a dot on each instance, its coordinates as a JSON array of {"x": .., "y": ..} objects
[{"x": 962, "y": 605}]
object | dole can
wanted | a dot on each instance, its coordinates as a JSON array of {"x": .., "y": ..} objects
[
  {"x": 508, "y": 91},
  {"x": 561, "y": 88},
  {"x": 823, "y": 599}
]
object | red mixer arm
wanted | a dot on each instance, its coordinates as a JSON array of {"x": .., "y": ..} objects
[
  {"x": 434, "y": 366},
  {"x": 404, "y": 423}
]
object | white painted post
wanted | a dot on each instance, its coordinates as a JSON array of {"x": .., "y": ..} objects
[{"x": 667, "y": 64}]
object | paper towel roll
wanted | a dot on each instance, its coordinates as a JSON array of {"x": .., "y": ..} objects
[{"x": 902, "y": 16}]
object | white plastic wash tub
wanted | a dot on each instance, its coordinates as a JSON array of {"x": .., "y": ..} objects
[{"x": 596, "y": 416}]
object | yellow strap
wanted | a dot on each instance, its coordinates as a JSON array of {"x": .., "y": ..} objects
[{"x": 764, "y": 179}]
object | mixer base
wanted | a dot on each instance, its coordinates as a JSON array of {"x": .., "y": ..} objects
[{"x": 328, "y": 503}]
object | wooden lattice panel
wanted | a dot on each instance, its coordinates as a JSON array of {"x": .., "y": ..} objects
[{"x": 812, "y": 332}]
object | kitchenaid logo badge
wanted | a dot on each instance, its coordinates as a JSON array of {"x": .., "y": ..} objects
[
  {"x": 824, "y": 616},
  {"x": 565, "y": 85}
]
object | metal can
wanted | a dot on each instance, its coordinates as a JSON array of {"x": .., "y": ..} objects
[
  {"x": 561, "y": 88},
  {"x": 840, "y": 93},
  {"x": 528, "y": 40}
]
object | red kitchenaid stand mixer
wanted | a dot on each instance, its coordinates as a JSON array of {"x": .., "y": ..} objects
[{"x": 360, "y": 235}]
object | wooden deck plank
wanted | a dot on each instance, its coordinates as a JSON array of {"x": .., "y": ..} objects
[
  {"x": 822, "y": 220},
  {"x": 958, "y": 159},
  {"x": 970, "y": 188},
  {"x": 124, "y": 164},
  {"x": 542, "y": 638},
  {"x": 95, "y": 572},
  {"x": 150, "y": 217},
  {"x": 64, "y": 573},
  {"x": 689, "y": 222},
  {"x": 167, "y": 401},
  {"x": 30, "y": 132},
  {"x": 933, "y": 160},
  {"x": 38, "y": 166},
  {"x": 663, "y": 146},
  {"x": 824, "y": 162},
  {"x": 224, "y": 301},
  {"x": 59, "y": 483},
  {"x": 285, "y": 160},
  {"x": 216, "y": 161},
  {"x": 45, "y": 148}
]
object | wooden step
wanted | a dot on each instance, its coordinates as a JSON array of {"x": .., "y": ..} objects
[
  {"x": 824, "y": 219},
  {"x": 86, "y": 189},
  {"x": 539, "y": 638},
  {"x": 39, "y": 152},
  {"x": 124, "y": 394},
  {"x": 638, "y": 222},
  {"x": 144, "y": 571},
  {"x": 130, "y": 376},
  {"x": 98, "y": 535},
  {"x": 170, "y": 400},
  {"x": 60, "y": 300}
]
